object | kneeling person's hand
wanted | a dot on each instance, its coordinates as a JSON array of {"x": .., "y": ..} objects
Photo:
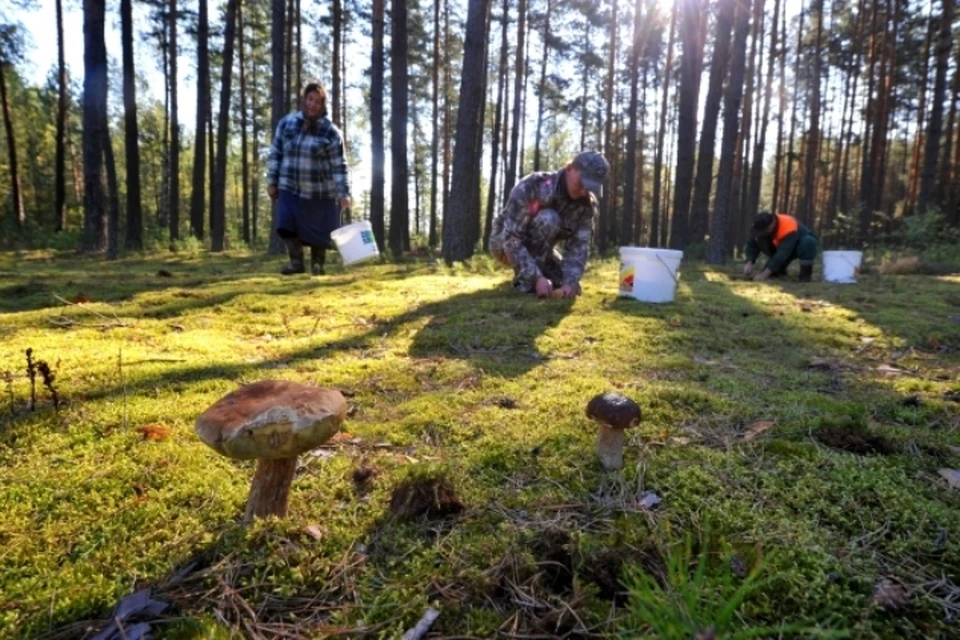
[{"x": 544, "y": 287}]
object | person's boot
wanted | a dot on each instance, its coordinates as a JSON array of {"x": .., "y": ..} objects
[
  {"x": 806, "y": 272},
  {"x": 318, "y": 256},
  {"x": 295, "y": 251}
]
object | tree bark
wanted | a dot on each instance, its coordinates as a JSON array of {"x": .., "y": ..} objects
[
  {"x": 497, "y": 123},
  {"x": 174, "y": 208},
  {"x": 19, "y": 214},
  {"x": 94, "y": 125},
  {"x": 510, "y": 179},
  {"x": 934, "y": 130},
  {"x": 399, "y": 207},
  {"x": 218, "y": 196},
  {"x": 690, "y": 68},
  {"x": 608, "y": 199},
  {"x": 700, "y": 207},
  {"x": 913, "y": 190},
  {"x": 731, "y": 114},
  {"x": 197, "y": 195},
  {"x": 465, "y": 180},
  {"x": 756, "y": 169},
  {"x": 435, "y": 140},
  {"x": 337, "y": 53},
  {"x": 60, "y": 189},
  {"x": 806, "y": 211},
  {"x": 134, "y": 240},
  {"x": 279, "y": 92},
  {"x": 542, "y": 85},
  {"x": 655, "y": 223},
  {"x": 376, "y": 126},
  {"x": 244, "y": 156},
  {"x": 629, "y": 206},
  {"x": 113, "y": 198}
]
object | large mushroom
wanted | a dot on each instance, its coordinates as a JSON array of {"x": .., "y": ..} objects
[
  {"x": 614, "y": 413},
  {"x": 272, "y": 421}
]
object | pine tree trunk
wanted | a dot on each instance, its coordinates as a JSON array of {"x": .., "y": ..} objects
[
  {"x": 279, "y": 93},
  {"x": 465, "y": 179},
  {"x": 197, "y": 194},
  {"x": 447, "y": 109},
  {"x": 629, "y": 206},
  {"x": 376, "y": 126},
  {"x": 510, "y": 179},
  {"x": 848, "y": 139},
  {"x": 756, "y": 169},
  {"x": 94, "y": 127},
  {"x": 700, "y": 207},
  {"x": 607, "y": 200},
  {"x": 60, "y": 189},
  {"x": 244, "y": 156},
  {"x": 113, "y": 198},
  {"x": 690, "y": 68},
  {"x": 298, "y": 22},
  {"x": 731, "y": 114},
  {"x": 219, "y": 195},
  {"x": 134, "y": 239},
  {"x": 788, "y": 165},
  {"x": 913, "y": 191},
  {"x": 337, "y": 53},
  {"x": 399, "y": 208},
  {"x": 778, "y": 161},
  {"x": 737, "y": 220},
  {"x": 497, "y": 123},
  {"x": 658, "y": 177},
  {"x": 944, "y": 43},
  {"x": 944, "y": 186},
  {"x": 432, "y": 238},
  {"x": 806, "y": 211},
  {"x": 174, "y": 208},
  {"x": 291, "y": 76},
  {"x": 542, "y": 85},
  {"x": 19, "y": 214}
]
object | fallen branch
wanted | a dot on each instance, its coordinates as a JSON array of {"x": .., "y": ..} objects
[{"x": 115, "y": 321}]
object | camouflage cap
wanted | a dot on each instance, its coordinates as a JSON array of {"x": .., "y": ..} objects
[{"x": 593, "y": 169}]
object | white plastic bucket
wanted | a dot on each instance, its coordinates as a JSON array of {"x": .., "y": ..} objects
[
  {"x": 649, "y": 275},
  {"x": 841, "y": 266},
  {"x": 355, "y": 242}
]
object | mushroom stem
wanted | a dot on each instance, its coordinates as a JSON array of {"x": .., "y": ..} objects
[
  {"x": 610, "y": 447},
  {"x": 270, "y": 491}
]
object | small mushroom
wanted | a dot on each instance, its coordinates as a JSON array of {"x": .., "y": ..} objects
[
  {"x": 272, "y": 421},
  {"x": 614, "y": 413}
]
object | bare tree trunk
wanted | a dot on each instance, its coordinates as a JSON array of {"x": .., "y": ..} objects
[
  {"x": 197, "y": 194},
  {"x": 498, "y": 118},
  {"x": 788, "y": 167},
  {"x": 690, "y": 68},
  {"x": 134, "y": 240},
  {"x": 542, "y": 85},
  {"x": 244, "y": 156},
  {"x": 447, "y": 109},
  {"x": 778, "y": 165},
  {"x": 60, "y": 190},
  {"x": 806, "y": 211},
  {"x": 658, "y": 177},
  {"x": 376, "y": 125},
  {"x": 629, "y": 206},
  {"x": 219, "y": 196},
  {"x": 19, "y": 214},
  {"x": 291, "y": 88},
  {"x": 518, "y": 87},
  {"x": 279, "y": 90},
  {"x": 399, "y": 208},
  {"x": 756, "y": 170},
  {"x": 700, "y": 207},
  {"x": 174, "y": 127},
  {"x": 848, "y": 140},
  {"x": 298, "y": 22},
  {"x": 435, "y": 141},
  {"x": 913, "y": 190},
  {"x": 605, "y": 202},
  {"x": 337, "y": 53},
  {"x": 944, "y": 186},
  {"x": 94, "y": 126},
  {"x": 113, "y": 198},
  {"x": 457, "y": 220},
  {"x": 731, "y": 115},
  {"x": 944, "y": 43}
]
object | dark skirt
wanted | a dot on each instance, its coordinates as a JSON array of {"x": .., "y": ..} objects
[{"x": 311, "y": 221}]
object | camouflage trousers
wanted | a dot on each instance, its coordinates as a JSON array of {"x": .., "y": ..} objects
[{"x": 539, "y": 238}]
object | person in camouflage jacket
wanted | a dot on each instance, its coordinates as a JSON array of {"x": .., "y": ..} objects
[{"x": 546, "y": 209}]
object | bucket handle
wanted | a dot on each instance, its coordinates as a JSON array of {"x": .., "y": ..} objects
[{"x": 669, "y": 270}]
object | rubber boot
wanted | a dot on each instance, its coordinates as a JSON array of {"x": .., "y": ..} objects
[
  {"x": 295, "y": 251},
  {"x": 318, "y": 256},
  {"x": 806, "y": 272}
]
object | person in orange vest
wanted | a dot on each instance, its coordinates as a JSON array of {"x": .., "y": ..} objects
[{"x": 784, "y": 239}]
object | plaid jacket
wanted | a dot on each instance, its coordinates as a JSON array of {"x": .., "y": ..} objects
[{"x": 308, "y": 159}]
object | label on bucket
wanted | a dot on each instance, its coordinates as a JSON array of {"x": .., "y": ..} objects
[
  {"x": 627, "y": 274},
  {"x": 366, "y": 237}
]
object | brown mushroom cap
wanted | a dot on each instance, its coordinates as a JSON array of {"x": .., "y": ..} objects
[
  {"x": 271, "y": 420},
  {"x": 614, "y": 410}
]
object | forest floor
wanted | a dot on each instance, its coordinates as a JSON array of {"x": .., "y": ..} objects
[{"x": 791, "y": 474}]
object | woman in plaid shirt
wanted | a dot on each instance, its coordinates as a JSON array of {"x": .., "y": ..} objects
[{"x": 307, "y": 174}]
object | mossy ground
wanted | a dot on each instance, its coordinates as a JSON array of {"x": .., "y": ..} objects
[{"x": 452, "y": 376}]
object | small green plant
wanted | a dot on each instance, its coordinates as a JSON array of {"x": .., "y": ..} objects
[
  {"x": 697, "y": 597},
  {"x": 32, "y": 374}
]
